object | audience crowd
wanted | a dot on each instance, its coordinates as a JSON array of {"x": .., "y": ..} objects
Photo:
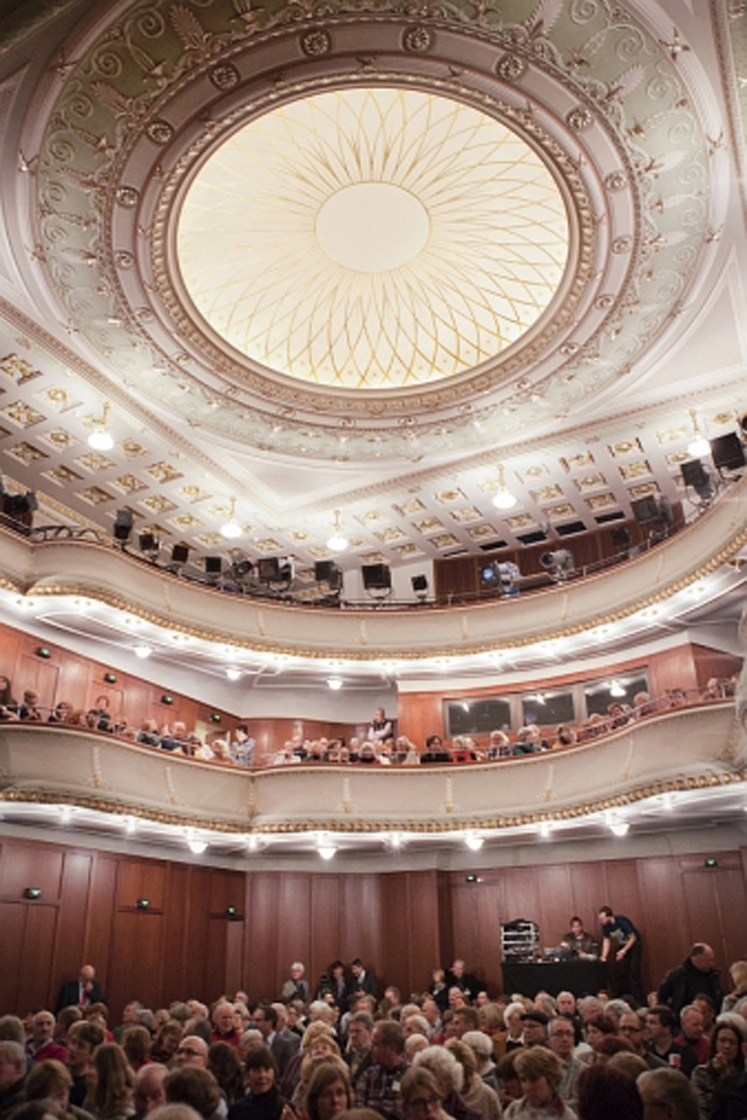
[
  {"x": 380, "y": 747},
  {"x": 449, "y": 1053}
]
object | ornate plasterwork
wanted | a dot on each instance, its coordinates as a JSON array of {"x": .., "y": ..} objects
[{"x": 165, "y": 77}]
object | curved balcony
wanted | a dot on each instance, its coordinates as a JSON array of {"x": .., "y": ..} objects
[
  {"x": 686, "y": 749},
  {"x": 101, "y": 572}
]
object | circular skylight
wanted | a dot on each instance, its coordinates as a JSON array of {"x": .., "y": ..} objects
[{"x": 372, "y": 238}]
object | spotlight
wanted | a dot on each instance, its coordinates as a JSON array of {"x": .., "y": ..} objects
[
  {"x": 420, "y": 587},
  {"x": 148, "y": 543},
  {"x": 335, "y": 683},
  {"x": 727, "y": 450},
  {"x": 275, "y": 569},
  {"x": 123, "y": 523},
  {"x": 326, "y": 851},
  {"x": 326, "y": 571},
  {"x": 473, "y": 842},
  {"x": 696, "y": 474},
  {"x": 180, "y": 554},
  {"x": 559, "y": 563},
  {"x": 377, "y": 577}
]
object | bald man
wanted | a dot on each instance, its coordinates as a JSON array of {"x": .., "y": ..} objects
[
  {"x": 192, "y": 1051},
  {"x": 81, "y": 992}
]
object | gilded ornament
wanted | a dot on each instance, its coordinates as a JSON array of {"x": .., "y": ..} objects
[
  {"x": 128, "y": 196},
  {"x": 316, "y": 42},
  {"x": 622, "y": 244},
  {"x": 224, "y": 76},
  {"x": 579, "y": 118},
  {"x": 159, "y": 131},
  {"x": 417, "y": 39},
  {"x": 510, "y": 67},
  {"x": 616, "y": 181}
]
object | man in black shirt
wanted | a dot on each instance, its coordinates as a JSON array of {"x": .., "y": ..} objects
[{"x": 619, "y": 931}]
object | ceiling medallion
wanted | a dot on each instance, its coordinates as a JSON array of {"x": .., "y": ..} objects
[
  {"x": 100, "y": 138},
  {"x": 394, "y": 238}
]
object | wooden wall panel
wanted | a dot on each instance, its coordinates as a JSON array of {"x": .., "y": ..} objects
[
  {"x": 402, "y": 923},
  {"x": 12, "y": 922}
]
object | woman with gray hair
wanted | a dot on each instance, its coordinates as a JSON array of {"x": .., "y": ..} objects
[
  {"x": 448, "y": 1073},
  {"x": 475, "y": 1092},
  {"x": 482, "y": 1048}
]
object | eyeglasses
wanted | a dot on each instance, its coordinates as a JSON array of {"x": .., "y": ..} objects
[{"x": 422, "y": 1104}]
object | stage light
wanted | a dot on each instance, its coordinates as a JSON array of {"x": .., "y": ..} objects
[
  {"x": 377, "y": 577},
  {"x": 558, "y": 562},
  {"x": 420, "y": 587},
  {"x": 147, "y": 543},
  {"x": 123, "y": 523}
]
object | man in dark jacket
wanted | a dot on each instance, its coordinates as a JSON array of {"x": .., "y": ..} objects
[
  {"x": 696, "y": 975},
  {"x": 81, "y": 992}
]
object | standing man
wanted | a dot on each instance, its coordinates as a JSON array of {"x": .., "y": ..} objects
[
  {"x": 456, "y": 977},
  {"x": 362, "y": 982},
  {"x": 296, "y": 987},
  {"x": 81, "y": 992},
  {"x": 619, "y": 931},
  {"x": 697, "y": 974}
]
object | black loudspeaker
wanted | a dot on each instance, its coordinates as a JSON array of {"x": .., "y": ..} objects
[
  {"x": 147, "y": 543},
  {"x": 376, "y": 577},
  {"x": 694, "y": 473},
  {"x": 268, "y": 570},
  {"x": 419, "y": 583},
  {"x": 645, "y": 509},
  {"x": 213, "y": 565},
  {"x": 727, "y": 451},
  {"x": 180, "y": 554},
  {"x": 324, "y": 571},
  {"x": 620, "y": 537},
  {"x": 123, "y": 525}
]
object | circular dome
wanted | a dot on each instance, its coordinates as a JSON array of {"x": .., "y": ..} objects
[{"x": 372, "y": 238}]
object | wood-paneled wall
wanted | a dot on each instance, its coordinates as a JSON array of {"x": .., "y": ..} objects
[{"x": 401, "y": 923}]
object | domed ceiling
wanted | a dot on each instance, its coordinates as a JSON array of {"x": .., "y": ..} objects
[{"x": 361, "y": 255}]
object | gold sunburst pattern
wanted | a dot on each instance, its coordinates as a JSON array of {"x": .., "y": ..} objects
[{"x": 393, "y": 238}]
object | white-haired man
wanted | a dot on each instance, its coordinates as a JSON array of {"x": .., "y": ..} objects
[{"x": 296, "y": 987}]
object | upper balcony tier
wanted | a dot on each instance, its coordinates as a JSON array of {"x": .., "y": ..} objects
[{"x": 101, "y": 572}]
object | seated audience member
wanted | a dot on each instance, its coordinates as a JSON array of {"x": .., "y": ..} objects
[
  {"x": 149, "y": 1092},
  {"x": 194, "y": 1087},
  {"x": 379, "y": 1086},
  {"x": 84, "y": 1038},
  {"x": 725, "y": 1059},
  {"x": 608, "y": 1094},
  {"x": 706, "y": 1008},
  {"x": 224, "y": 1064},
  {"x": 474, "y": 1090},
  {"x": 528, "y": 740},
  {"x": 534, "y": 1028},
  {"x": 631, "y": 1028},
  {"x": 8, "y": 706},
  {"x": 561, "y": 1040},
  {"x": 111, "y": 1093},
  {"x": 643, "y": 705},
  {"x": 328, "y": 1093},
  {"x": 540, "y": 1074},
  {"x": 242, "y": 745},
  {"x": 492, "y": 1024},
  {"x": 738, "y": 973},
  {"x": 729, "y": 1100},
  {"x": 661, "y": 1024},
  {"x": 499, "y": 745},
  {"x": 12, "y": 1076},
  {"x": 667, "y": 1093},
  {"x": 266, "y": 1020},
  {"x": 50, "y": 1080},
  {"x": 513, "y": 1016},
  {"x": 358, "y": 1053},
  {"x": 421, "y": 1095},
  {"x": 174, "y": 737},
  {"x": 435, "y": 750},
  {"x": 41, "y": 1045},
  {"x": 565, "y": 736},
  {"x": 461, "y": 751},
  {"x": 509, "y": 1083},
  {"x": 448, "y": 1074},
  {"x": 692, "y": 1033},
  {"x": 61, "y": 712},
  {"x": 224, "y": 1024},
  {"x": 696, "y": 974},
  {"x": 137, "y": 1043},
  {"x": 130, "y": 1018},
  {"x": 458, "y": 977},
  {"x": 192, "y": 1051},
  {"x": 29, "y": 711},
  {"x": 166, "y": 1041},
  {"x": 482, "y": 1047},
  {"x": 148, "y": 733}
]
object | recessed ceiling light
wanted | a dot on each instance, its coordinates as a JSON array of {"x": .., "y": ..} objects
[
  {"x": 197, "y": 846},
  {"x": 335, "y": 683},
  {"x": 142, "y": 652},
  {"x": 233, "y": 674},
  {"x": 473, "y": 842},
  {"x": 620, "y": 828}
]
